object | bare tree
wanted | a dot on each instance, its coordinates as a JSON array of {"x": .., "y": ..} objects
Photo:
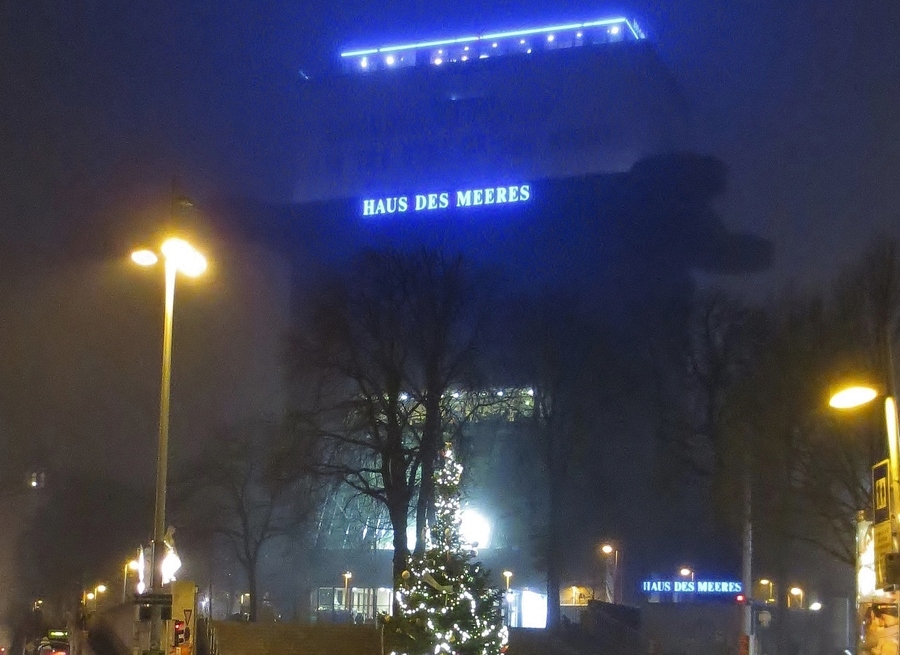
[
  {"x": 384, "y": 345},
  {"x": 241, "y": 490}
]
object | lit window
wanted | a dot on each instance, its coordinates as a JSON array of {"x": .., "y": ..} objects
[
  {"x": 550, "y": 38},
  {"x": 389, "y": 60}
]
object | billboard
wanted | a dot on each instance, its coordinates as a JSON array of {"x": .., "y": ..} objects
[{"x": 876, "y": 609}]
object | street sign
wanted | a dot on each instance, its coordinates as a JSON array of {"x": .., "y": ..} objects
[
  {"x": 163, "y": 600},
  {"x": 881, "y": 491},
  {"x": 883, "y": 543}
]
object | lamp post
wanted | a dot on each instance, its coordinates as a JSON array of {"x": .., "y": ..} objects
[
  {"x": 93, "y": 595},
  {"x": 771, "y": 585},
  {"x": 133, "y": 565},
  {"x": 797, "y": 592},
  {"x": 508, "y": 575},
  {"x": 179, "y": 256},
  {"x": 347, "y": 577},
  {"x": 612, "y": 581},
  {"x": 686, "y": 572}
]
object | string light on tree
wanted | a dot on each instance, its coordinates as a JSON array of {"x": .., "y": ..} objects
[{"x": 446, "y": 602}]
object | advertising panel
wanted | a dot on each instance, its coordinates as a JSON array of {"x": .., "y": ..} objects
[{"x": 877, "y": 609}]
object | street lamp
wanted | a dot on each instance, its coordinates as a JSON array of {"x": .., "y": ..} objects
[
  {"x": 815, "y": 606},
  {"x": 508, "y": 576},
  {"x": 797, "y": 592},
  {"x": 133, "y": 565},
  {"x": 179, "y": 256},
  {"x": 686, "y": 572},
  {"x": 855, "y": 396},
  {"x": 612, "y": 581},
  {"x": 93, "y": 595},
  {"x": 347, "y": 577},
  {"x": 771, "y": 585}
]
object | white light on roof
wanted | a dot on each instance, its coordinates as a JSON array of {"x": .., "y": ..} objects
[
  {"x": 438, "y": 61},
  {"x": 440, "y": 52},
  {"x": 389, "y": 60},
  {"x": 364, "y": 63},
  {"x": 579, "y": 35},
  {"x": 521, "y": 41},
  {"x": 493, "y": 45},
  {"x": 465, "y": 58},
  {"x": 466, "y": 48},
  {"x": 550, "y": 38},
  {"x": 615, "y": 23}
]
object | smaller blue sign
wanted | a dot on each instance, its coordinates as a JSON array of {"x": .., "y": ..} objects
[{"x": 692, "y": 586}]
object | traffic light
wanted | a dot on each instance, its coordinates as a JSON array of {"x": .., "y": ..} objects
[{"x": 180, "y": 636}]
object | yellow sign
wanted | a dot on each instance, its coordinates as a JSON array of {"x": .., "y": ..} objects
[{"x": 883, "y": 543}]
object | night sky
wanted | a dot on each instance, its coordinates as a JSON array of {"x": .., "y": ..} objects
[{"x": 102, "y": 103}]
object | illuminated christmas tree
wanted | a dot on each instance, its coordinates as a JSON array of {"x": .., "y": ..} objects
[{"x": 446, "y": 602}]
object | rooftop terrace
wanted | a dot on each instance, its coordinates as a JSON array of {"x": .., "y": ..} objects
[{"x": 460, "y": 50}]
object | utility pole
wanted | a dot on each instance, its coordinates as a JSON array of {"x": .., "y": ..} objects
[{"x": 747, "y": 645}]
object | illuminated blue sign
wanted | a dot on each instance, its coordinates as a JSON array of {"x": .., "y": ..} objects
[
  {"x": 460, "y": 198},
  {"x": 692, "y": 586}
]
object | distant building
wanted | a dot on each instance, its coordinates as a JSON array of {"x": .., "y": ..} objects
[
  {"x": 547, "y": 102},
  {"x": 545, "y": 157}
]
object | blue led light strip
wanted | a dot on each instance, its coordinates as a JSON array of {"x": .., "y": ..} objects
[{"x": 495, "y": 35}]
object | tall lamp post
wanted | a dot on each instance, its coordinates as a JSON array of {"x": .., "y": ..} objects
[
  {"x": 179, "y": 257},
  {"x": 347, "y": 577},
  {"x": 611, "y": 589},
  {"x": 856, "y": 396}
]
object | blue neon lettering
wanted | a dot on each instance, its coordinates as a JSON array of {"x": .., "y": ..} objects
[{"x": 445, "y": 199}]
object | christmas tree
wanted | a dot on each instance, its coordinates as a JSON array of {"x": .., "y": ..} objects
[{"x": 446, "y": 603}]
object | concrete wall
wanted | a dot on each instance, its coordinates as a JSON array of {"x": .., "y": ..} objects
[{"x": 565, "y": 112}]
